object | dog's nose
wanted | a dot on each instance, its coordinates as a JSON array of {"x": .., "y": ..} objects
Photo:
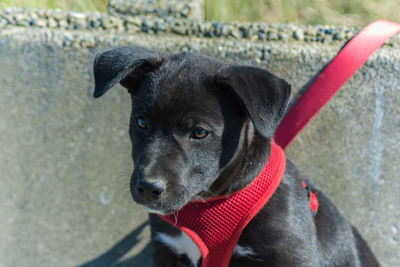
[{"x": 150, "y": 190}]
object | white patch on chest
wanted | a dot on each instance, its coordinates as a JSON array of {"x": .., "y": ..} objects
[
  {"x": 243, "y": 251},
  {"x": 181, "y": 244}
]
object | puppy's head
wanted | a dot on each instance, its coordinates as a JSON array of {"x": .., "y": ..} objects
[{"x": 192, "y": 118}]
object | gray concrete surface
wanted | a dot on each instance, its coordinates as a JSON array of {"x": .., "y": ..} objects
[{"x": 64, "y": 160}]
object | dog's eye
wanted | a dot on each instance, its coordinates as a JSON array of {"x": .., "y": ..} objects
[
  {"x": 199, "y": 133},
  {"x": 141, "y": 122}
]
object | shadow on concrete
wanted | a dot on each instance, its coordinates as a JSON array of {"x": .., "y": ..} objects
[{"x": 113, "y": 256}]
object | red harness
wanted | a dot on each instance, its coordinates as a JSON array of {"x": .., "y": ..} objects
[{"x": 216, "y": 225}]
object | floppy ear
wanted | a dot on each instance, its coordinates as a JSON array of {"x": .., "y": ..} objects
[
  {"x": 263, "y": 95},
  {"x": 127, "y": 65}
]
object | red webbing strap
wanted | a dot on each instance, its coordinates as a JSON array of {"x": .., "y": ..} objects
[{"x": 335, "y": 74}]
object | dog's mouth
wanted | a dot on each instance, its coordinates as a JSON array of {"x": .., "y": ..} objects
[
  {"x": 161, "y": 207},
  {"x": 161, "y": 210},
  {"x": 158, "y": 211},
  {"x": 166, "y": 205}
]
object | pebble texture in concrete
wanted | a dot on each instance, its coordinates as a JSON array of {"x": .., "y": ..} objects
[
  {"x": 173, "y": 23},
  {"x": 64, "y": 163},
  {"x": 162, "y": 8}
]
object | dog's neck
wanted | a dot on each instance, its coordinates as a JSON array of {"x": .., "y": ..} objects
[{"x": 252, "y": 154}]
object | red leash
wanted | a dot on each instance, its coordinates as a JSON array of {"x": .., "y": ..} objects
[{"x": 331, "y": 79}]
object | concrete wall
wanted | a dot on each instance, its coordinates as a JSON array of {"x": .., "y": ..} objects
[{"x": 64, "y": 160}]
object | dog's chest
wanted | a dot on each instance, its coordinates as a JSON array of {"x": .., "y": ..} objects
[{"x": 182, "y": 244}]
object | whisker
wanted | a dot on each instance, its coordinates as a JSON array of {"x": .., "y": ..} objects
[
  {"x": 125, "y": 123},
  {"x": 176, "y": 217},
  {"x": 201, "y": 199},
  {"x": 118, "y": 152}
]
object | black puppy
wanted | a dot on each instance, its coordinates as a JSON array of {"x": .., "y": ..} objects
[{"x": 201, "y": 128}]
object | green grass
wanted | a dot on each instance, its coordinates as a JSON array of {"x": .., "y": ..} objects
[
  {"x": 76, "y": 5},
  {"x": 335, "y": 12}
]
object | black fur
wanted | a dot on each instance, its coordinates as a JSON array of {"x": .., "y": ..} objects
[{"x": 240, "y": 108}]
